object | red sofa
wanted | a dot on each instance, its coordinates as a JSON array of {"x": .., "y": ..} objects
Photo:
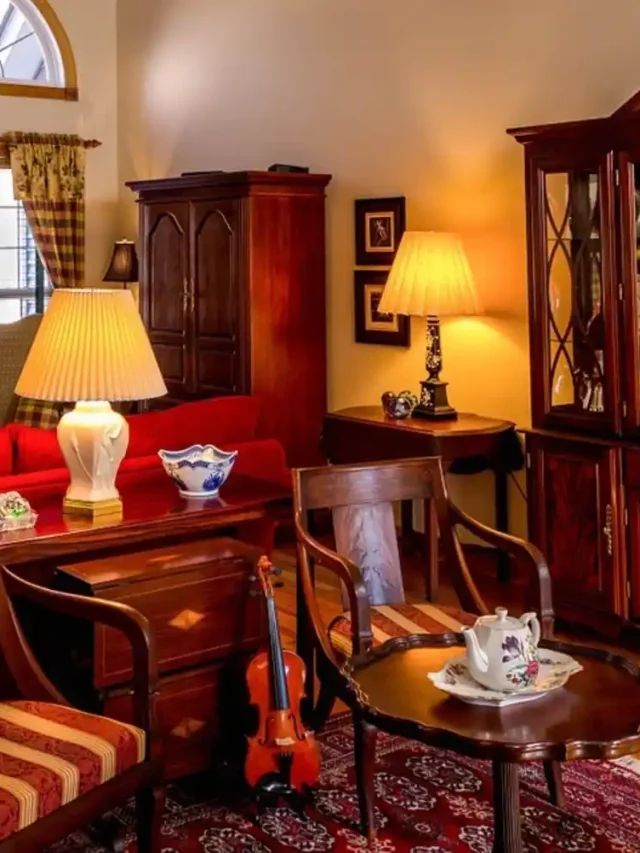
[{"x": 32, "y": 464}]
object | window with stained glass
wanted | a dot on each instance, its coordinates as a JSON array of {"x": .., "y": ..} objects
[{"x": 28, "y": 51}]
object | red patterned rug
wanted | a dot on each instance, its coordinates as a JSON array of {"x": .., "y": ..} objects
[{"x": 429, "y": 801}]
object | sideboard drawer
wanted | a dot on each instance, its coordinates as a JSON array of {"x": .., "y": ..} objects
[
  {"x": 196, "y": 617},
  {"x": 194, "y": 711}
]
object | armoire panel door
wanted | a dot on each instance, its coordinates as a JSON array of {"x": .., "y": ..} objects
[
  {"x": 164, "y": 291},
  {"x": 575, "y": 519},
  {"x": 215, "y": 285}
]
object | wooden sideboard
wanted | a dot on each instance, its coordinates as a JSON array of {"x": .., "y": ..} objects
[
  {"x": 194, "y": 587},
  {"x": 208, "y": 619}
]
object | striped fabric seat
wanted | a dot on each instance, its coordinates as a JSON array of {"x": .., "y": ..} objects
[
  {"x": 50, "y": 755},
  {"x": 400, "y": 620}
]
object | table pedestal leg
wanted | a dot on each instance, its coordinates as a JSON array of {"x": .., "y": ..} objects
[{"x": 506, "y": 808}]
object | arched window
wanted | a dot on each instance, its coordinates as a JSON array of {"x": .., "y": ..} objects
[{"x": 35, "y": 54}]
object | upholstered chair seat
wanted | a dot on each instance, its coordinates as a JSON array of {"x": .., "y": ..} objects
[{"x": 51, "y": 754}]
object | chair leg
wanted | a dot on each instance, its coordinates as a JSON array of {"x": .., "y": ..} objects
[
  {"x": 553, "y": 774},
  {"x": 324, "y": 706},
  {"x": 365, "y": 760},
  {"x": 149, "y": 811}
]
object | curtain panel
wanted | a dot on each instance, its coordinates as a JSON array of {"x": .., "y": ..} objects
[{"x": 49, "y": 179}]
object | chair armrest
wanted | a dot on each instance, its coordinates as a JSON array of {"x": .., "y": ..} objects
[
  {"x": 123, "y": 618},
  {"x": 525, "y": 551},
  {"x": 351, "y": 577}
]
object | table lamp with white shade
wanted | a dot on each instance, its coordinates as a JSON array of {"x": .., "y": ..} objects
[
  {"x": 91, "y": 348},
  {"x": 431, "y": 278}
]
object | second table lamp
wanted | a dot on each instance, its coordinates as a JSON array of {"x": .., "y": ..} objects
[{"x": 431, "y": 278}]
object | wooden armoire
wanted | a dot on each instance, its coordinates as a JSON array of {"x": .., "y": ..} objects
[
  {"x": 232, "y": 291},
  {"x": 583, "y": 451}
]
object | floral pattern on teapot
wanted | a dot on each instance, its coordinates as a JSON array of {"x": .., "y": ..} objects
[{"x": 526, "y": 667}]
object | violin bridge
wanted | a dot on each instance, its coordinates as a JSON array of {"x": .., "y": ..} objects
[{"x": 284, "y": 741}]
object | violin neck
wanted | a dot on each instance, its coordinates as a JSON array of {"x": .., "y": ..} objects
[{"x": 279, "y": 689}]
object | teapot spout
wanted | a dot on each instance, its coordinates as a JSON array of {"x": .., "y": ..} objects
[{"x": 477, "y": 658}]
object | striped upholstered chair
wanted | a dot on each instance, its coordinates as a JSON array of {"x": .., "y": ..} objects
[
  {"x": 377, "y": 616},
  {"x": 61, "y": 768}
]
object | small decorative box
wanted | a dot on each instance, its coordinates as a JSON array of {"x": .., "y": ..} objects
[{"x": 15, "y": 512}]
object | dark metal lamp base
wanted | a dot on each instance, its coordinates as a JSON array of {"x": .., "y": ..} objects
[{"x": 434, "y": 404}]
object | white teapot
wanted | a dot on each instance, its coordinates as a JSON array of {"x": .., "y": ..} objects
[{"x": 502, "y": 651}]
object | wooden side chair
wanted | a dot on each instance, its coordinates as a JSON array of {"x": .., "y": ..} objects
[
  {"x": 367, "y": 562},
  {"x": 61, "y": 768}
]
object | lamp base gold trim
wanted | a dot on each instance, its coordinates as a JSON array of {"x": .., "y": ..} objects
[{"x": 111, "y": 508}]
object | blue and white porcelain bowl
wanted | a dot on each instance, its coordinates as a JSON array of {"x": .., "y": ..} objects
[{"x": 198, "y": 471}]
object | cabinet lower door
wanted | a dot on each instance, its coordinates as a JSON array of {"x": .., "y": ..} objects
[
  {"x": 632, "y": 490},
  {"x": 575, "y": 519}
]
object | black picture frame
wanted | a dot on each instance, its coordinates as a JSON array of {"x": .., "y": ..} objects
[
  {"x": 379, "y": 226},
  {"x": 370, "y": 326}
]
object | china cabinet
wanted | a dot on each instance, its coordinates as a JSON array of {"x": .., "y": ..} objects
[{"x": 583, "y": 450}]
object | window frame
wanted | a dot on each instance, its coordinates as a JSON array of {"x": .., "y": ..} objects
[
  {"x": 39, "y": 292},
  {"x": 43, "y": 17}
]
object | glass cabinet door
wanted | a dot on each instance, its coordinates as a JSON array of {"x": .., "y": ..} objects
[
  {"x": 629, "y": 193},
  {"x": 573, "y": 371}
]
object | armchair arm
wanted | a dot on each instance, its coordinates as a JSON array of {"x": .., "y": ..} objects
[
  {"x": 524, "y": 551},
  {"x": 350, "y": 575},
  {"x": 119, "y": 616}
]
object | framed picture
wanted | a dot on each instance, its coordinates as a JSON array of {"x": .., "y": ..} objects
[
  {"x": 372, "y": 327},
  {"x": 380, "y": 223}
]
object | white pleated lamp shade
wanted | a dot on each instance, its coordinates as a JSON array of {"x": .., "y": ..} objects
[
  {"x": 91, "y": 345},
  {"x": 430, "y": 276}
]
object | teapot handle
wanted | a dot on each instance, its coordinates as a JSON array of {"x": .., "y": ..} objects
[{"x": 531, "y": 620}]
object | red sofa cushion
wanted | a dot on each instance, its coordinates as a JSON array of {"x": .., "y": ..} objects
[
  {"x": 262, "y": 460},
  {"x": 35, "y": 449},
  {"x": 218, "y": 421},
  {"x": 223, "y": 420},
  {"x": 6, "y": 452}
]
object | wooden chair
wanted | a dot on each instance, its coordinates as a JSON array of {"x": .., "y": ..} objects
[
  {"x": 61, "y": 768},
  {"x": 367, "y": 563}
]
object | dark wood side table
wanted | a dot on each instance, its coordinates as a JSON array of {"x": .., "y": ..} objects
[
  {"x": 596, "y": 715},
  {"x": 468, "y": 445}
]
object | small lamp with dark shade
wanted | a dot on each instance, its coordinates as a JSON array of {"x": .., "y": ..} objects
[
  {"x": 431, "y": 278},
  {"x": 124, "y": 263}
]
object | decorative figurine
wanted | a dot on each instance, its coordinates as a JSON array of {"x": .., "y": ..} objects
[
  {"x": 398, "y": 406},
  {"x": 15, "y": 512}
]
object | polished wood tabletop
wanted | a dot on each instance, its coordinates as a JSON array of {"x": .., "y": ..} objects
[
  {"x": 595, "y": 715},
  {"x": 465, "y": 424},
  {"x": 152, "y": 509}
]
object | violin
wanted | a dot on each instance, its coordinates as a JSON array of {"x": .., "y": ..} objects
[{"x": 283, "y": 758}]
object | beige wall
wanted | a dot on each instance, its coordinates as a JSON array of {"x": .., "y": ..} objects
[
  {"x": 91, "y": 27},
  {"x": 410, "y": 97}
]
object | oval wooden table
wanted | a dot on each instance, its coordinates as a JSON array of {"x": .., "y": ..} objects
[{"x": 596, "y": 715}]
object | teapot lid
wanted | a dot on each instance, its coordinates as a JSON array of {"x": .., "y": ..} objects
[{"x": 501, "y": 621}]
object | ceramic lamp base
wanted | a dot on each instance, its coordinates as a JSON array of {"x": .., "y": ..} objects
[{"x": 93, "y": 440}]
